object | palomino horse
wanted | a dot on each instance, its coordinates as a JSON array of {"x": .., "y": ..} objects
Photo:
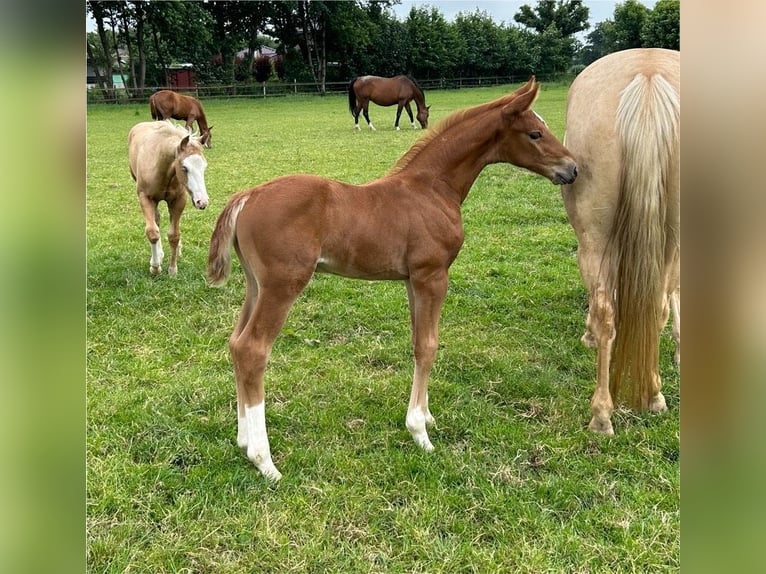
[
  {"x": 623, "y": 126},
  {"x": 404, "y": 226},
  {"x": 167, "y": 104},
  {"x": 166, "y": 162},
  {"x": 399, "y": 90}
]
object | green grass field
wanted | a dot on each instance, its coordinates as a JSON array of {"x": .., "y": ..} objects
[{"x": 516, "y": 483}]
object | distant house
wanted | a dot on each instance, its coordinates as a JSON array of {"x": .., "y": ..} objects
[
  {"x": 242, "y": 55},
  {"x": 181, "y": 76},
  {"x": 91, "y": 67}
]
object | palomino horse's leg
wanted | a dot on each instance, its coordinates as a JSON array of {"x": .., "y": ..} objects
[
  {"x": 408, "y": 107},
  {"x": 675, "y": 307},
  {"x": 175, "y": 210},
  {"x": 425, "y": 298},
  {"x": 152, "y": 230},
  {"x": 250, "y": 350},
  {"x": 600, "y": 325},
  {"x": 365, "y": 110}
]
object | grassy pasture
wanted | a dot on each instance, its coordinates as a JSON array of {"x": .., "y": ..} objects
[{"x": 516, "y": 483}]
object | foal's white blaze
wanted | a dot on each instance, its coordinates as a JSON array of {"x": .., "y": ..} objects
[
  {"x": 195, "y": 166},
  {"x": 258, "y": 441},
  {"x": 416, "y": 424}
]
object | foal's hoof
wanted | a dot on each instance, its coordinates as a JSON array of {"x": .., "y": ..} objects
[
  {"x": 172, "y": 271},
  {"x": 265, "y": 465},
  {"x": 424, "y": 443},
  {"x": 601, "y": 426},
  {"x": 657, "y": 404},
  {"x": 155, "y": 269},
  {"x": 270, "y": 472}
]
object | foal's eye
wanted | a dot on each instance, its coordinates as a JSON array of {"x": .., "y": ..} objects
[
  {"x": 186, "y": 169},
  {"x": 535, "y": 135}
]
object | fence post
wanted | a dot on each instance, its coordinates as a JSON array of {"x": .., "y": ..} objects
[{"x": 295, "y": 86}]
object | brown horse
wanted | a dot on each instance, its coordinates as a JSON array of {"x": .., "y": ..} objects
[
  {"x": 167, "y": 104},
  {"x": 404, "y": 226},
  {"x": 623, "y": 115},
  {"x": 399, "y": 90},
  {"x": 166, "y": 162}
]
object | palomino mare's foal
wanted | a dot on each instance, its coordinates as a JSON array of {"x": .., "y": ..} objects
[
  {"x": 166, "y": 163},
  {"x": 167, "y": 104},
  {"x": 404, "y": 226},
  {"x": 623, "y": 126}
]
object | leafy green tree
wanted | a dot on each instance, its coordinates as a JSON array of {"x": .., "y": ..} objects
[
  {"x": 434, "y": 44},
  {"x": 601, "y": 41},
  {"x": 482, "y": 50},
  {"x": 556, "y": 22},
  {"x": 629, "y": 18},
  {"x": 102, "y": 58},
  {"x": 569, "y": 16},
  {"x": 523, "y": 53},
  {"x": 662, "y": 26}
]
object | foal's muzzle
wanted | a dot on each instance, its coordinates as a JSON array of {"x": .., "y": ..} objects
[{"x": 565, "y": 175}]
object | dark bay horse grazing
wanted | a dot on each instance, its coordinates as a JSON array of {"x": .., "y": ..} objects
[
  {"x": 166, "y": 163},
  {"x": 623, "y": 115},
  {"x": 167, "y": 104},
  {"x": 404, "y": 226},
  {"x": 399, "y": 91}
]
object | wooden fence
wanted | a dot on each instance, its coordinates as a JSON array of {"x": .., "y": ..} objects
[{"x": 278, "y": 89}]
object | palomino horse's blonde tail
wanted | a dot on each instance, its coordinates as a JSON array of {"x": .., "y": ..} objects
[
  {"x": 648, "y": 118},
  {"x": 219, "y": 257}
]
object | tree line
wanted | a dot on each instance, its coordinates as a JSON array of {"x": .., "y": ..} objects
[{"x": 324, "y": 41}]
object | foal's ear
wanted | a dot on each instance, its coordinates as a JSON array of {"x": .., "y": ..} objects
[
  {"x": 183, "y": 144},
  {"x": 525, "y": 97}
]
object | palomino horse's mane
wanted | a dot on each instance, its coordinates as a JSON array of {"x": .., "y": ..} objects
[{"x": 444, "y": 125}]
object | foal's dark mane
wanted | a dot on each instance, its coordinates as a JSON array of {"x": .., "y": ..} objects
[{"x": 444, "y": 125}]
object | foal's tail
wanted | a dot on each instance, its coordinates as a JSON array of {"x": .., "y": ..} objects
[
  {"x": 648, "y": 118},
  {"x": 219, "y": 257},
  {"x": 352, "y": 96}
]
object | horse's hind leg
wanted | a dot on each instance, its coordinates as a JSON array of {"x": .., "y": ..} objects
[
  {"x": 250, "y": 347},
  {"x": 408, "y": 107},
  {"x": 152, "y": 231},
  {"x": 425, "y": 298},
  {"x": 398, "y": 115},
  {"x": 675, "y": 307},
  {"x": 365, "y": 110},
  {"x": 601, "y": 327},
  {"x": 251, "y": 296}
]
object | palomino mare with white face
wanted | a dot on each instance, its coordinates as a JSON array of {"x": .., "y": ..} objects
[
  {"x": 399, "y": 91},
  {"x": 623, "y": 126},
  {"x": 404, "y": 226},
  {"x": 166, "y": 163}
]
